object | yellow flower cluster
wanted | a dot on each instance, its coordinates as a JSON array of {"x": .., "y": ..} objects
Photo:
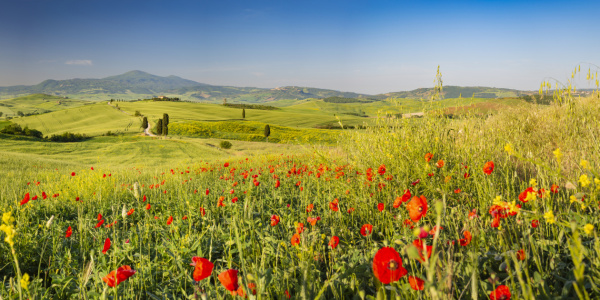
[
  {"x": 8, "y": 228},
  {"x": 549, "y": 216},
  {"x": 584, "y": 164},
  {"x": 558, "y": 154},
  {"x": 509, "y": 149},
  {"x": 589, "y": 228},
  {"x": 584, "y": 180},
  {"x": 25, "y": 281}
]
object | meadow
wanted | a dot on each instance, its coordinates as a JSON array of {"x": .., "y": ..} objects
[{"x": 499, "y": 201}]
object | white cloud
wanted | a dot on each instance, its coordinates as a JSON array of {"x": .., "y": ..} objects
[{"x": 79, "y": 62}]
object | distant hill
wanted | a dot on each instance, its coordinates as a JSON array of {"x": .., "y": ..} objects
[
  {"x": 133, "y": 82},
  {"x": 138, "y": 84},
  {"x": 455, "y": 92}
]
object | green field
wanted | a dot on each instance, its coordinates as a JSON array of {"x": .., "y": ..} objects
[{"x": 38, "y": 104}]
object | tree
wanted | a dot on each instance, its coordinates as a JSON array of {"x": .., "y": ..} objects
[
  {"x": 1, "y": 113},
  {"x": 165, "y": 128},
  {"x": 159, "y": 127},
  {"x": 145, "y": 123},
  {"x": 267, "y": 132},
  {"x": 243, "y": 113},
  {"x": 166, "y": 119},
  {"x": 20, "y": 114}
]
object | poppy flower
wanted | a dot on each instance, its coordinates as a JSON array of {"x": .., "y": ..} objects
[
  {"x": 252, "y": 287},
  {"x": 523, "y": 197},
  {"x": 333, "y": 205},
  {"x": 277, "y": 184},
  {"x": 44, "y": 196},
  {"x": 202, "y": 268},
  {"x": 502, "y": 292},
  {"x": 457, "y": 191},
  {"x": 439, "y": 163},
  {"x": 309, "y": 207},
  {"x": 295, "y": 239},
  {"x": 334, "y": 241},
  {"x": 554, "y": 188},
  {"x": 535, "y": 223},
  {"x": 467, "y": 239},
  {"x": 417, "y": 208},
  {"x": 466, "y": 175},
  {"x": 387, "y": 265},
  {"x": 144, "y": 198},
  {"x": 202, "y": 211},
  {"x": 366, "y": 229},
  {"x": 207, "y": 192},
  {"x": 381, "y": 170},
  {"x": 114, "y": 278},
  {"x": 274, "y": 220},
  {"x": 99, "y": 217},
  {"x": 350, "y": 210},
  {"x": 300, "y": 228},
  {"x": 380, "y": 207},
  {"x": 287, "y": 294},
  {"x": 415, "y": 182},
  {"x": 256, "y": 183},
  {"x": 434, "y": 229},
  {"x": 226, "y": 165},
  {"x": 99, "y": 223},
  {"x": 428, "y": 157},
  {"x": 521, "y": 254},
  {"x": 170, "y": 220},
  {"x": 69, "y": 232},
  {"x": 34, "y": 197},
  {"x": 496, "y": 222},
  {"x": 488, "y": 168},
  {"x": 130, "y": 212},
  {"x": 416, "y": 283},
  {"x": 184, "y": 217},
  {"x": 72, "y": 173},
  {"x": 106, "y": 246},
  {"x": 148, "y": 206},
  {"x": 25, "y": 199},
  {"x": 419, "y": 244}
]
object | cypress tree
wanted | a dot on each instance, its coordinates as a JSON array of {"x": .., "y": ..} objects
[
  {"x": 145, "y": 123},
  {"x": 159, "y": 127},
  {"x": 165, "y": 127},
  {"x": 243, "y": 113},
  {"x": 165, "y": 119},
  {"x": 267, "y": 132}
]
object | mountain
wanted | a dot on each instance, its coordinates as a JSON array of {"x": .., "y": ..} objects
[
  {"x": 133, "y": 82},
  {"x": 138, "y": 84}
]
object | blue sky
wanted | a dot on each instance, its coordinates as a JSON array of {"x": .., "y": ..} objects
[{"x": 360, "y": 46}]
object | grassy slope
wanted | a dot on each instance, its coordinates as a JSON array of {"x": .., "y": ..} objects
[
  {"x": 93, "y": 119},
  {"x": 37, "y": 103},
  {"x": 114, "y": 152}
]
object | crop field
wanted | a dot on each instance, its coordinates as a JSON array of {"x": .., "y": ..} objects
[
  {"x": 481, "y": 207},
  {"x": 37, "y": 103}
]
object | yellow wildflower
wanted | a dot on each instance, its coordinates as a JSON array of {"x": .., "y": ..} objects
[
  {"x": 530, "y": 196},
  {"x": 589, "y": 228},
  {"x": 509, "y": 149},
  {"x": 557, "y": 154},
  {"x": 584, "y": 164},
  {"x": 497, "y": 200},
  {"x": 447, "y": 179},
  {"x": 597, "y": 182},
  {"x": 513, "y": 208},
  {"x": 573, "y": 198},
  {"x": 7, "y": 218},
  {"x": 25, "y": 281},
  {"x": 533, "y": 182},
  {"x": 549, "y": 216},
  {"x": 584, "y": 180}
]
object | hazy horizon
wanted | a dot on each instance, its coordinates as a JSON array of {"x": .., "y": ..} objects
[{"x": 357, "y": 46}]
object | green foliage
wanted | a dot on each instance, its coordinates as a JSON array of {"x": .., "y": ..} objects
[
  {"x": 225, "y": 144},
  {"x": 68, "y": 137},
  {"x": 347, "y": 100},
  {"x": 144, "y": 123},
  {"x": 137, "y": 113},
  {"x": 159, "y": 127},
  {"x": 243, "y": 113},
  {"x": 250, "y": 106},
  {"x": 15, "y": 129},
  {"x": 267, "y": 131}
]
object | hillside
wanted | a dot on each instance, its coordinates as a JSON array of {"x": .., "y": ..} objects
[
  {"x": 37, "y": 104},
  {"x": 455, "y": 92}
]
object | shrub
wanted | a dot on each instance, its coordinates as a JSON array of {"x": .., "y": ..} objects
[{"x": 226, "y": 145}]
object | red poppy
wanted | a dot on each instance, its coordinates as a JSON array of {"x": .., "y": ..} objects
[
  {"x": 488, "y": 168},
  {"x": 428, "y": 157},
  {"x": 502, "y": 292},
  {"x": 256, "y": 183},
  {"x": 170, "y": 220},
  {"x": 309, "y": 207},
  {"x": 144, "y": 198},
  {"x": 229, "y": 280},
  {"x": 523, "y": 195},
  {"x": 416, "y": 283},
  {"x": 473, "y": 214},
  {"x": 496, "y": 222},
  {"x": 381, "y": 170},
  {"x": 334, "y": 241},
  {"x": 434, "y": 229},
  {"x": 466, "y": 175},
  {"x": 25, "y": 199},
  {"x": 415, "y": 182},
  {"x": 295, "y": 239},
  {"x": 202, "y": 268},
  {"x": 226, "y": 165},
  {"x": 439, "y": 164},
  {"x": 69, "y": 232},
  {"x": 366, "y": 229},
  {"x": 202, "y": 211},
  {"x": 99, "y": 217},
  {"x": 130, "y": 212},
  {"x": 300, "y": 228},
  {"x": 417, "y": 208},
  {"x": 521, "y": 254},
  {"x": 207, "y": 192},
  {"x": 114, "y": 278},
  {"x": 535, "y": 223},
  {"x": 419, "y": 244},
  {"x": 554, "y": 188},
  {"x": 457, "y": 191},
  {"x": 333, "y": 205},
  {"x": 72, "y": 173},
  {"x": 380, "y": 206},
  {"x": 148, "y": 206},
  {"x": 99, "y": 224},
  {"x": 106, "y": 246},
  {"x": 252, "y": 287},
  {"x": 184, "y": 217},
  {"x": 387, "y": 265},
  {"x": 274, "y": 220},
  {"x": 499, "y": 211},
  {"x": 350, "y": 210},
  {"x": 287, "y": 294},
  {"x": 44, "y": 196},
  {"x": 34, "y": 197},
  {"x": 467, "y": 239}
]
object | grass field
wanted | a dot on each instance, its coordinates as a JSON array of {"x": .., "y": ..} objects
[
  {"x": 37, "y": 103},
  {"x": 501, "y": 203}
]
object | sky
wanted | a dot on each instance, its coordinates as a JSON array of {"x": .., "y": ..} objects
[{"x": 367, "y": 46}]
